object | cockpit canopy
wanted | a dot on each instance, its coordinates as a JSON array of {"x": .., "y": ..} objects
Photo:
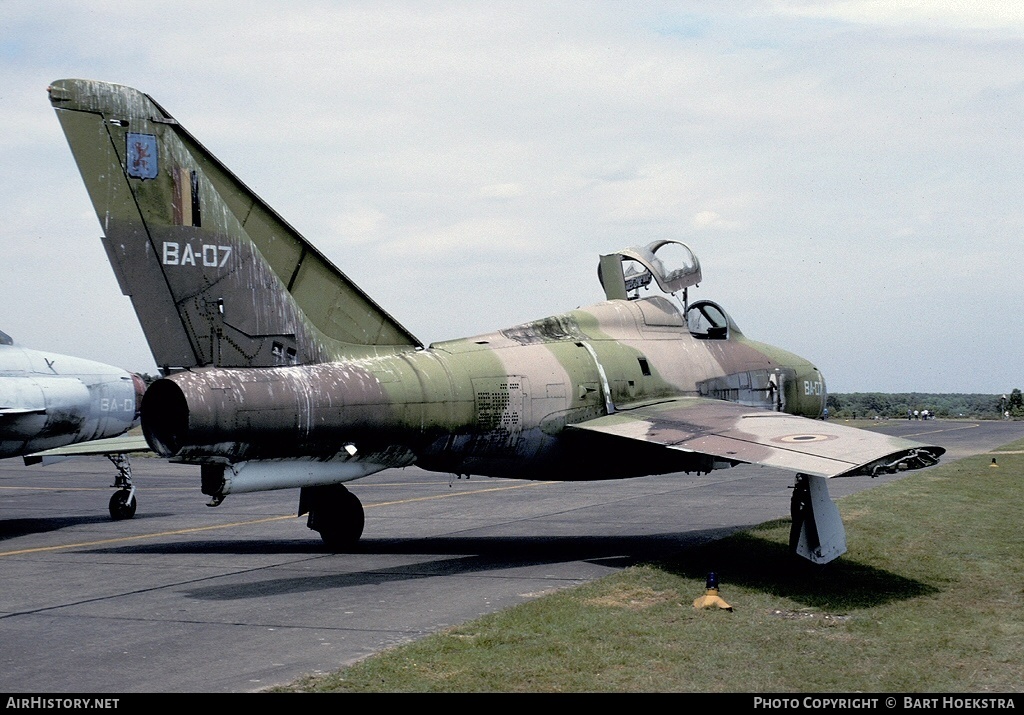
[
  {"x": 5, "y": 339},
  {"x": 670, "y": 263},
  {"x": 674, "y": 268},
  {"x": 705, "y": 319}
]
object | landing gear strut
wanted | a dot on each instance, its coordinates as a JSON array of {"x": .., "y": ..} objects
[
  {"x": 335, "y": 512},
  {"x": 817, "y": 532},
  {"x": 123, "y": 502}
]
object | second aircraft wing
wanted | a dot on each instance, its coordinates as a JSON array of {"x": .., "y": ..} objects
[{"x": 125, "y": 444}]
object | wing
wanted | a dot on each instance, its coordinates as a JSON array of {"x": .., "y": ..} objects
[
  {"x": 125, "y": 444},
  {"x": 737, "y": 433}
]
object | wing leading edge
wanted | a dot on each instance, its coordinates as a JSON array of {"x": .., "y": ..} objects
[{"x": 737, "y": 433}]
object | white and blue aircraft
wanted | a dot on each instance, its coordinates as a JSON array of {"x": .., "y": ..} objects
[{"x": 54, "y": 406}]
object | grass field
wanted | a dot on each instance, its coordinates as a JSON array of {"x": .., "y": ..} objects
[{"x": 929, "y": 598}]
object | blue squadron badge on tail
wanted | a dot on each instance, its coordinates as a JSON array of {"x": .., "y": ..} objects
[{"x": 142, "y": 156}]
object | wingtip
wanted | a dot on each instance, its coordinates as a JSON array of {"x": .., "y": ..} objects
[{"x": 917, "y": 457}]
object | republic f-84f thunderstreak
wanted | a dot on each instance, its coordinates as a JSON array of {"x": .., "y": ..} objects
[
  {"x": 54, "y": 406},
  {"x": 280, "y": 372}
]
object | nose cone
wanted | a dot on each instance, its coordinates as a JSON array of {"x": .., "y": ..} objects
[{"x": 813, "y": 394}]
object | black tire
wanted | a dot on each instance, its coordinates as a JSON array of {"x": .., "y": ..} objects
[
  {"x": 339, "y": 518},
  {"x": 122, "y": 505}
]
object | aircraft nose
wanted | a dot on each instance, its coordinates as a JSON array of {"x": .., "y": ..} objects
[
  {"x": 814, "y": 385},
  {"x": 810, "y": 393}
]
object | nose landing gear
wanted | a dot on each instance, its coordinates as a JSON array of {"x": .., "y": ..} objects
[{"x": 122, "y": 502}]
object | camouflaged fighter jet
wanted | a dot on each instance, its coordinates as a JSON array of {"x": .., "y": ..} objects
[
  {"x": 55, "y": 406},
  {"x": 280, "y": 372}
]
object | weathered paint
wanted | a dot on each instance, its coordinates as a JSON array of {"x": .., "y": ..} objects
[{"x": 275, "y": 360}]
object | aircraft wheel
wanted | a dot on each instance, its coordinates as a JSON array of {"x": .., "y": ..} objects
[
  {"x": 122, "y": 505},
  {"x": 338, "y": 516}
]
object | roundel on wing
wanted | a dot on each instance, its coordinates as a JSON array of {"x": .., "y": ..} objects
[{"x": 804, "y": 438}]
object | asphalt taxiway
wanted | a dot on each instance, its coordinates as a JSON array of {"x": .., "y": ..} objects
[{"x": 185, "y": 598}]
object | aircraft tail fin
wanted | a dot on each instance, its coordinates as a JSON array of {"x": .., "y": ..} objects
[{"x": 216, "y": 277}]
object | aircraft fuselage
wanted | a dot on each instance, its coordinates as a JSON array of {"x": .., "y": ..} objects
[
  {"x": 49, "y": 400},
  {"x": 496, "y": 404}
]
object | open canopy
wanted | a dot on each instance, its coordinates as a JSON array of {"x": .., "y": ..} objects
[{"x": 671, "y": 264}]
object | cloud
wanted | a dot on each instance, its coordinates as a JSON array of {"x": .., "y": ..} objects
[
  {"x": 712, "y": 220},
  {"x": 948, "y": 14},
  {"x": 501, "y": 191},
  {"x": 818, "y": 157}
]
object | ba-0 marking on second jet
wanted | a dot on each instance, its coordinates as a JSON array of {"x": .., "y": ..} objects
[{"x": 280, "y": 372}]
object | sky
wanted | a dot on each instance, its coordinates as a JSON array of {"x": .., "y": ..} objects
[{"x": 848, "y": 173}]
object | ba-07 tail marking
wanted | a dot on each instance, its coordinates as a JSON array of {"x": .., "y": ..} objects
[{"x": 208, "y": 255}]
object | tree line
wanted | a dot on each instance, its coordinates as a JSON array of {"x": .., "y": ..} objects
[{"x": 869, "y": 405}]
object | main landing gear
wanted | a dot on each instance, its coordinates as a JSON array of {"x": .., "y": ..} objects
[
  {"x": 122, "y": 502},
  {"x": 335, "y": 512},
  {"x": 817, "y": 532}
]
